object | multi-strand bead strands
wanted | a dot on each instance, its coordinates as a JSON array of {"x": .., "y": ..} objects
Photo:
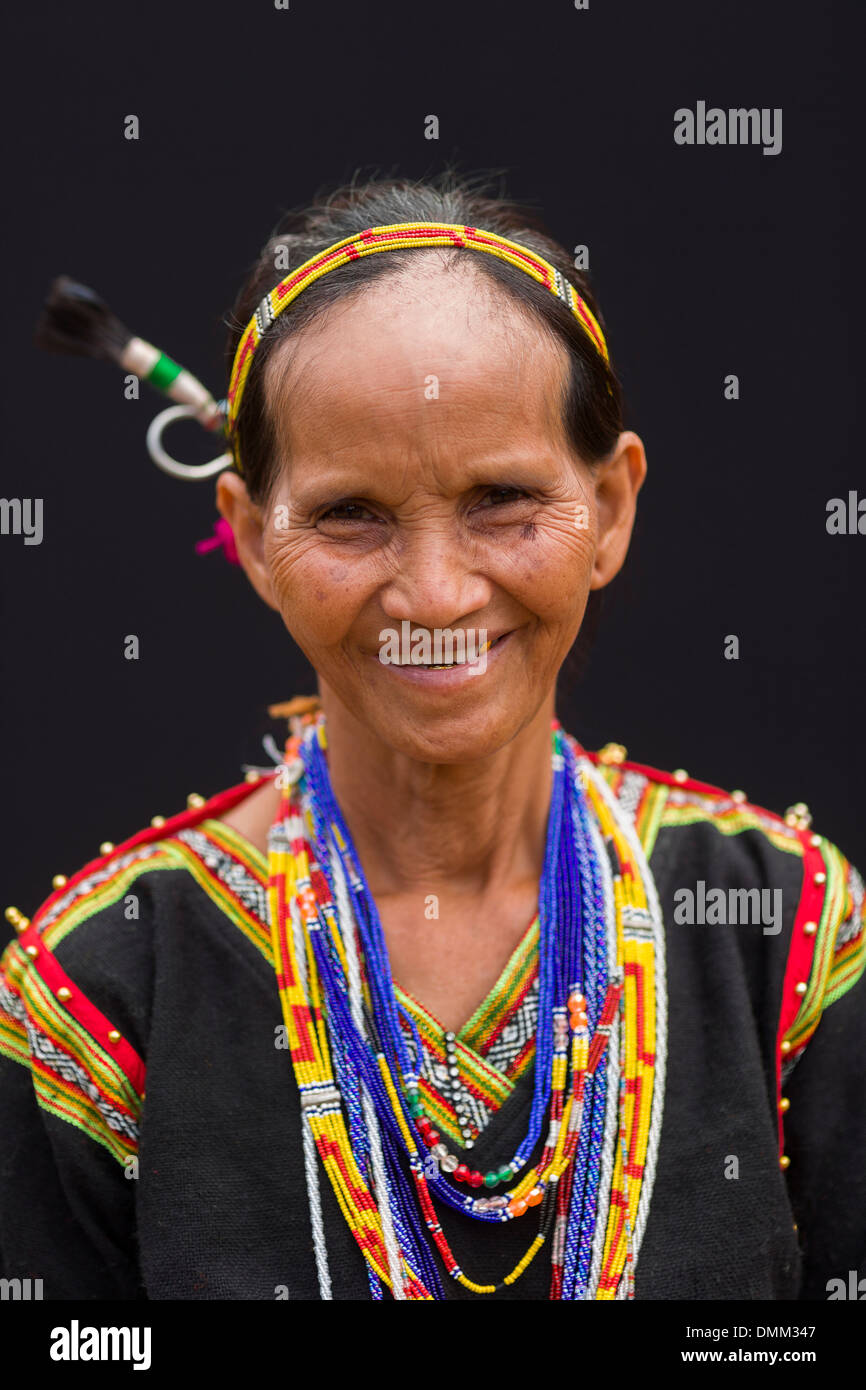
[
  {"x": 323, "y": 916},
  {"x": 563, "y": 930},
  {"x": 641, "y": 1025},
  {"x": 294, "y": 919}
]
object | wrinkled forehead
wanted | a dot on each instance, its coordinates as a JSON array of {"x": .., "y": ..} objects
[{"x": 446, "y": 347}]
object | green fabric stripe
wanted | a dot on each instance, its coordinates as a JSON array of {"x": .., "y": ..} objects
[
  {"x": 814, "y": 1000},
  {"x": 729, "y": 823},
  {"x": 237, "y": 844},
  {"x": 106, "y": 894},
  {"x": 490, "y": 1010},
  {"x": 650, "y": 816},
  {"x": 474, "y": 1069},
  {"x": 848, "y": 965},
  {"x": 13, "y": 1041},
  {"x": 258, "y": 935},
  {"x": 69, "y": 1035},
  {"x": 58, "y": 1103}
]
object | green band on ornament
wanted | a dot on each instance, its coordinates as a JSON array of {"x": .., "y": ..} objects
[{"x": 164, "y": 372}]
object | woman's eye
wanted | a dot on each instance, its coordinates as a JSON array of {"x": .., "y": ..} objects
[
  {"x": 346, "y": 511},
  {"x": 500, "y": 496}
]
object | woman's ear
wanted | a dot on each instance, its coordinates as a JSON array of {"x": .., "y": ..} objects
[
  {"x": 618, "y": 481},
  {"x": 245, "y": 518}
]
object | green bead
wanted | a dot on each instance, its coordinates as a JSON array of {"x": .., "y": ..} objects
[
  {"x": 416, "y": 1107},
  {"x": 491, "y": 1179},
  {"x": 505, "y": 1174}
]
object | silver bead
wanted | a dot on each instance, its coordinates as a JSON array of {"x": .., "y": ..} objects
[
  {"x": 439, "y": 1151},
  {"x": 449, "y": 1163}
]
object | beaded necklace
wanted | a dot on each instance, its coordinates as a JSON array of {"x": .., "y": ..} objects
[{"x": 356, "y": 1052}]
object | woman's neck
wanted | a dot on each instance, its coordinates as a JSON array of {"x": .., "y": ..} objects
[{"x": 470, "y": 829}]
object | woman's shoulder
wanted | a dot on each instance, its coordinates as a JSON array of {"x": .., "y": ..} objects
[
  {"x": 722, "y": 860},
  {"x": 659, "y": 800},
  {"x": 77, "y": 979}
]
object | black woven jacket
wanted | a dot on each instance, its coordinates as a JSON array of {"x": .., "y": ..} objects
[{"x": 191, "y": 1185}]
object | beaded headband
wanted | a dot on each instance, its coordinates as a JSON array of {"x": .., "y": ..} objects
[
  {"x": 398, "y": 236},
  {"x": 75, "y": 320}
]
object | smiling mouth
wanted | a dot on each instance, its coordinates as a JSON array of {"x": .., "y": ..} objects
[{"x": 451, "y": 665}]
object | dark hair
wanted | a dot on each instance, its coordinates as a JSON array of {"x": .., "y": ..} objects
[{"x": 593, "y": 404}]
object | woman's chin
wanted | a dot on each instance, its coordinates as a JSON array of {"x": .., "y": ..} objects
[{"x": 459, "y": 730}]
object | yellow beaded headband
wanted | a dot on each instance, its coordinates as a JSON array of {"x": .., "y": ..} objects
[{"x": 396, "y": 237}]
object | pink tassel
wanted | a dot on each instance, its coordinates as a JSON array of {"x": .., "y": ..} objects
[{"x": 223, "y": 537}]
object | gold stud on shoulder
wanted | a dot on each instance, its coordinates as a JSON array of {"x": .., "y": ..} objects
[
  {"x": 193, "y": 801},
  {"x": 59, "y": 881},
  {"x": 739, "y": 797},
  {"x": 63, "y": 994},
  {"x": 31, "y": 951},
  {"x": 819, "y": 878},
  {"x": 157, "y": 822},
  {"x": 106, "y": 847},
  {"x": 798, "y": 816},
  {"x": 784, "y": 1104},
  {"x": 786, "y": 1047},
  {"x": 814, "y": 841},
  {"x": 801, "y": 988},
  {"x": 18, "y": 920},
  {"x": 784, "y": 1162},
  {"x": 612, "y": 754},
  {"x": 680, "y": 775},
  {"x": 810, "y": 928},
  {"x": 114, "y": 1036}
]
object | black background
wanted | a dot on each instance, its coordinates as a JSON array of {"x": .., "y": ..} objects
[{"x": 706, "y": 261}]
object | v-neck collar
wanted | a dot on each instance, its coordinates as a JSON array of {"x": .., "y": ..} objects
[
  {"x": 495, "y": 1047},
  {"x": 492, "y": 1014}
]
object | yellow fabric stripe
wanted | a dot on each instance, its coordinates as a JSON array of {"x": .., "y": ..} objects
[
  {"x": 732, "y": 822},
  {"x": 105, "y": 894}
]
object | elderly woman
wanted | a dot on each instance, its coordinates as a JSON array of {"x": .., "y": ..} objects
[{"x": 444, "y": 1006}]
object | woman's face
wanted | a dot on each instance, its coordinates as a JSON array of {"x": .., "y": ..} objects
[{"x": 425, "y": 480}]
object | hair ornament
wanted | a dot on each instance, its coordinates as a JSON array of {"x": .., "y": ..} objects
[{"x": 77, "y": 322}]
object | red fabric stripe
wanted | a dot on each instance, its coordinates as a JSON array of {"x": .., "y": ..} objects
[
  {"x": 668, "y": 780},
  {"x": 80, "y": 1008},
  {"x": 213, "y": 808},
  {"x": 68, "y": 1088},
  {"x": 801, "y": 952}
]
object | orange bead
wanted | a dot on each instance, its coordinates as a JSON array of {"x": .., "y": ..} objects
[
  {"x": 517, "y": 1206},
  {"x": 534, "y": 1197},
  {"x": 576, "y": 1002}
]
